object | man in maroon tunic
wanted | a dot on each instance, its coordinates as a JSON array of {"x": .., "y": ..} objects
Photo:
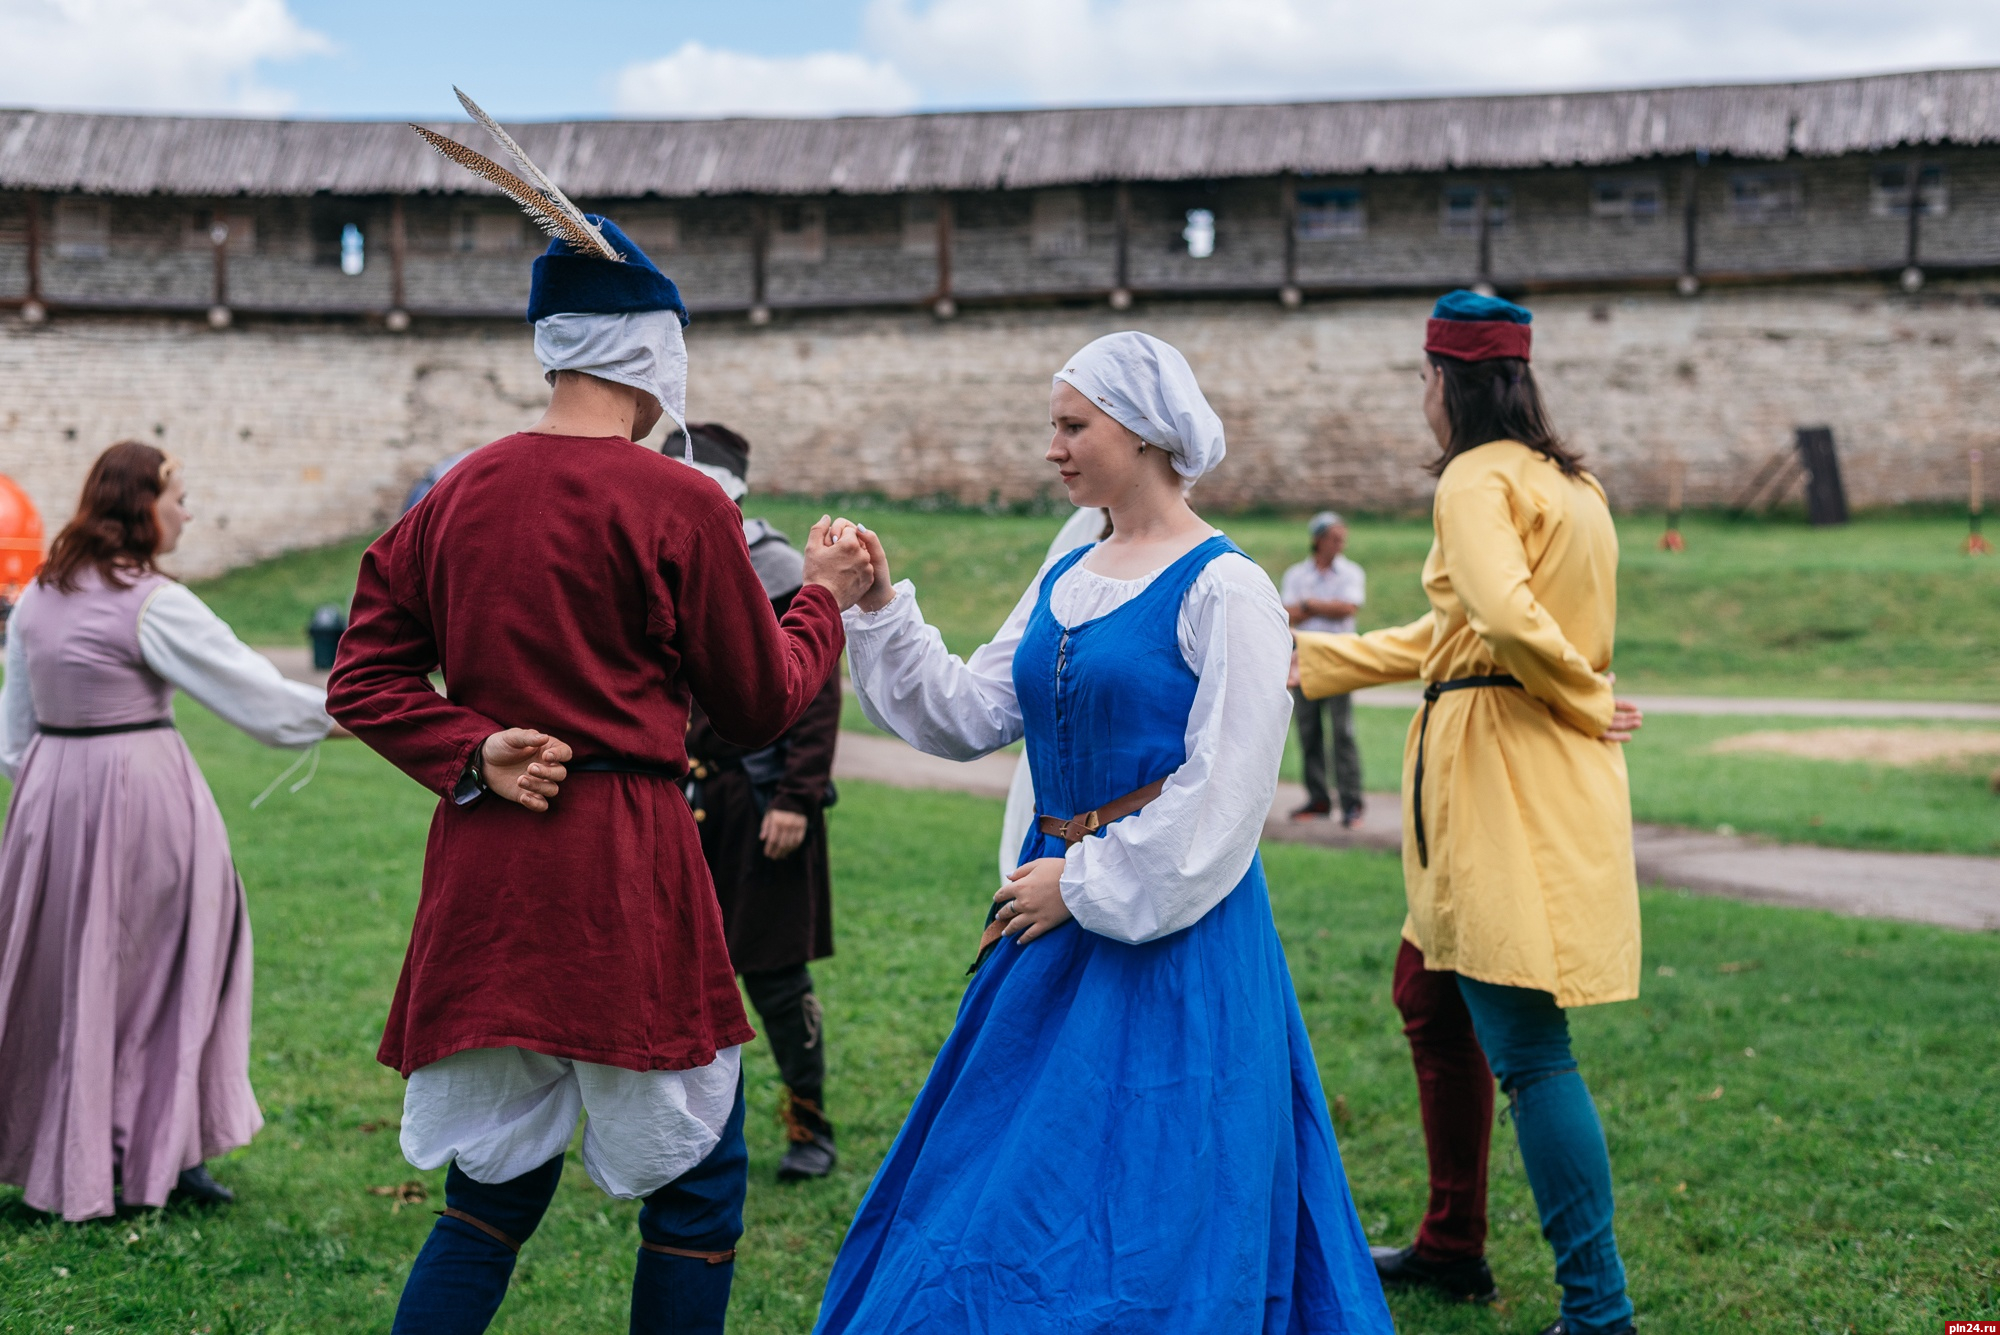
[{"x": 575, "y": 590}]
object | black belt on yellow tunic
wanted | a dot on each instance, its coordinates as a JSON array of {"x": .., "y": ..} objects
[{"x": 1431, "y": 693}]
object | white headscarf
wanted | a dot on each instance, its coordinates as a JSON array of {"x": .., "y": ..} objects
[
  {"x": 1149, "y": 389},
  {"x": 643, "y": 349}
]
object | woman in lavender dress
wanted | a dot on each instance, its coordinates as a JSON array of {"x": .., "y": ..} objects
[{"x": 124, "y": 945}]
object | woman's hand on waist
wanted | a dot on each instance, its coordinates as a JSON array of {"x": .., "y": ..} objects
[
  {"x": 1626, "y": 717},
  {"x": 1031, "y": 903}
]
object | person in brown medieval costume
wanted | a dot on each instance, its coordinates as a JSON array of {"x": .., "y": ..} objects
[{"x": 763, "y": 831}]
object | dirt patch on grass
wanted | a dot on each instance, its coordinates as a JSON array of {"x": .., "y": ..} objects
[{"x": 1877, "y": 746}]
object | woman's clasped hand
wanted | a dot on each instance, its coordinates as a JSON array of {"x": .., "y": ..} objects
[{"x": 1031, "y": 903}]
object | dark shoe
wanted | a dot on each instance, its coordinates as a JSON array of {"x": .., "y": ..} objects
[
  {"x": 1313, "y": 811},
  {"x": 808, "y": 1159},
  {"x": 1563, "y": 1327},
  {"x": 811, "y": 1152},
  {"x": 1351, "y": 816},
  {"x": 1466, "y": 1280},
  {"x": 197, "y": 1186}
]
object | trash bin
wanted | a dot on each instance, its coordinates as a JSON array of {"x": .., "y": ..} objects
[{"x": 325, "y": 629}]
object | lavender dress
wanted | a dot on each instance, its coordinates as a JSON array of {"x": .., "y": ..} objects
[{"x": 124, "y": 944}]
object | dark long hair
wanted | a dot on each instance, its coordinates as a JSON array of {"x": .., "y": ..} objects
[
  {"x": 117, "y": 526},
  {"x": 1493, "y": 400}
]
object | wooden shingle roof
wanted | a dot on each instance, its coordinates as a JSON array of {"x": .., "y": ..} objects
[{"x": 991, "y": 150}]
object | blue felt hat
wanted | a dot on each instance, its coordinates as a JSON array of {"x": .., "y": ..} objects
[{"x": 569, "y": 283}]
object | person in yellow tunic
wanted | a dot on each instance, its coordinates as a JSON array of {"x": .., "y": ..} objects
[{"x": 1517, "y": 826}]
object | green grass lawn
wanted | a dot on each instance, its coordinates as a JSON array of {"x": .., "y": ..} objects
[
  {"x": 1676, "y": 780},
  {"x": 1885, "y": 607},
  {"x": 1842, "y": 1179},
  {"x": 1760, "y": 607}
]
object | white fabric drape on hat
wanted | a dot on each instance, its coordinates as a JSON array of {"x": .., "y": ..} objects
[
  {"x": 643, "y": 349},
  {"x": 1148, "y": 388}
]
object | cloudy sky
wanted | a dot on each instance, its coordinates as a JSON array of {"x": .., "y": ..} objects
[{"x": 378, "y": 58}]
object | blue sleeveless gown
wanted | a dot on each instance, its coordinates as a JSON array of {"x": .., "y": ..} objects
[{"x": 1115, "y": 1137}]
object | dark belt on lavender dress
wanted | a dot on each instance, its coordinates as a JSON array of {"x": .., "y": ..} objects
[
  {"x": 105, "y": 729},
  {"x": 1431, "y": 693}
]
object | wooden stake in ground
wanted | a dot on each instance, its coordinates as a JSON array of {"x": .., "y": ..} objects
[
  {"x": 1975, "y": 544},
  {"x": 1671, "y": 540}
]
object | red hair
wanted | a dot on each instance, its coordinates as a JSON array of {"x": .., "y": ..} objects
[{"x": 117, "y": 526}]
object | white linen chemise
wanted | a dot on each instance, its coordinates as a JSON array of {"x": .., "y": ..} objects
[
  {"x": 184, "y": 641},
  {"x": 1159, "y": 870}
]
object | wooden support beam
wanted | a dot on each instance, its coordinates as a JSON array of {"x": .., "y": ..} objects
[
  {"x": 32, "y": 309},
  {"x": 399, "y": 244},
  {"x": 1690, "y": 279},
  {"x": 760, "y": 250},
  {"x": 218, "y": 241},
  {"x": 1288, "y": 211},
  {"x": 1485, "y": 207},
  {"x": 1913, "y": 273},
  {"x": 943, "y": 304},
  {"x": 1121, "y": 281}
]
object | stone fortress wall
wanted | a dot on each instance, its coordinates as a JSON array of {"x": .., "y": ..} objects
[{"x": 299, "y": 433}]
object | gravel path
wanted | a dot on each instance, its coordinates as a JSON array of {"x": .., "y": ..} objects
[{"x": 1943, "y": 889}]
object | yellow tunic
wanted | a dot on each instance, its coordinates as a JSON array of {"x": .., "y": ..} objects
[{"x": 1527, "y": 814}]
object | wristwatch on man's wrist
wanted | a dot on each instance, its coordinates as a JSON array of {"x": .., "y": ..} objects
[{"x": 472, "y": 784}]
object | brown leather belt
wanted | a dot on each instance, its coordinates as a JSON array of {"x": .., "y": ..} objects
[
  {"x": 1071, "y": 831},
  {"x": 1077, "y": 828}
]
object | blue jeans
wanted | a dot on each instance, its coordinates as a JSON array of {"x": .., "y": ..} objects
[
  {"x": 461, "y": 1274},
  {"x": 1526, "y": 1039}
]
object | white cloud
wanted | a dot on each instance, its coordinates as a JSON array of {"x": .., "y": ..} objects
[
  {"x": 701, "y": 81},
  {"x": 182, "y": 55},
  {"x": 1080, "y": 51}
]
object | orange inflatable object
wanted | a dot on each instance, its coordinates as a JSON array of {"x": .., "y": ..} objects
[{"x": 20, "y": 539}]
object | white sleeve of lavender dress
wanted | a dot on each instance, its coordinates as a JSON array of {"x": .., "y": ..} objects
[
  {"x": 1162, "y": 869},
  {"x": 17, "y": 707},
  {"x": 188, "y": 644},
  {"x": 911, "y": 685}
]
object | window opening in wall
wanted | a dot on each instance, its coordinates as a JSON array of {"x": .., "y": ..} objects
[
  {"x": 83, "y": 229},
  {"x": 1324, "y": 215},
  {"x": 653, "y": 233},
  {"x": 1458, "y": 209},
  {"x": 200, "y": 231},
  {"x": 1199, "y": 233},
  {"x": 799, "y": 234},
  {"x": 920, "y": 234},
  {"x": 489, "y": 233},
  {"x": 1889, "y": 192},
  {"x": 1633, "y": 199},
  {"x": 353, "y": 250},
  {"x": 1764, "y": 197},
  {"x": 1057, "y": 224}
]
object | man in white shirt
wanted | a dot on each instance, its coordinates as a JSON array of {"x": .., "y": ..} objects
[{"x": 1323, "y": 594}]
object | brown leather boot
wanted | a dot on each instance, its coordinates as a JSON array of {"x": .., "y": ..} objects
[{"x": 811, "y": 1153}]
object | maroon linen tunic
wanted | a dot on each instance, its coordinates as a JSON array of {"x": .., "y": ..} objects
[{"x": 585, "y": 587}]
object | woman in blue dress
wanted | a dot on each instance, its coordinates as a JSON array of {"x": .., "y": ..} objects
[{"x": 1125, "y": 1130}]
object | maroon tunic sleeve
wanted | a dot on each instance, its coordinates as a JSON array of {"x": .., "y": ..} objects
[
  {"x": 809, "y": 753},
  {"x": 753, "y": 672},
  {"x": 380, "y": 689}
]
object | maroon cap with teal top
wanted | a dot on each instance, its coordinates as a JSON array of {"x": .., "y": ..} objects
[{"x": 1475, "y": 328}]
